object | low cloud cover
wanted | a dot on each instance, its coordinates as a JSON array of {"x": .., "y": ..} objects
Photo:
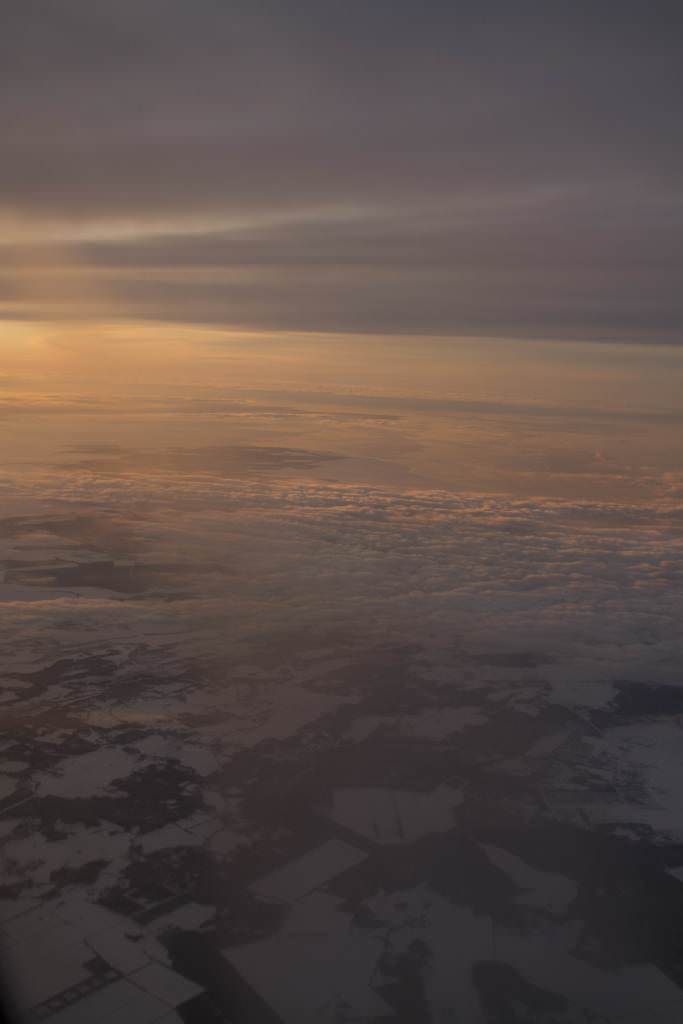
[{"x": 593, "y": 588}]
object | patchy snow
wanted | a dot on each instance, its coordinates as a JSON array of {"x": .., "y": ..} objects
[
  {"x": 309, "y": 872},
  {"x": 87, "y": 774}
]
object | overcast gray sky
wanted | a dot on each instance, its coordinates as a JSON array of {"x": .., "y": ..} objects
[{"x": 493, "y": 168}]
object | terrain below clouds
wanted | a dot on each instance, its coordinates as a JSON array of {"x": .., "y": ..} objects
[{"x": 425, "y": 741}]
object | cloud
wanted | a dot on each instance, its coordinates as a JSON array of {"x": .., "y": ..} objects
[
  {"x": 396, "y": 168},
  {"x": 591, "y": 589}
]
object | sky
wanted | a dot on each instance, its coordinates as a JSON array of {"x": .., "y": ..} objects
[{"x": 387, "y": 168}]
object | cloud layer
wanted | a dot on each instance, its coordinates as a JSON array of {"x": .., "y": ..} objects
[
  {"x": 590, "y": 590},
  {"x": 392, "y": 168}
]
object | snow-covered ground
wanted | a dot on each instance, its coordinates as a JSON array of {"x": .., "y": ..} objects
[{"x": 335, "y": 753}]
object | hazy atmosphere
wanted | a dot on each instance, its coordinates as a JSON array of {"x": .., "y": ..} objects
[{"x": 341, "y": 512}]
